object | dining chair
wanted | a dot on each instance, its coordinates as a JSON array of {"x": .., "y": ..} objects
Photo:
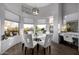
[
  {"x": 46, "y": 43},
  {"x": 22, "y": 41},
  {"x": 29, "y": 43}
]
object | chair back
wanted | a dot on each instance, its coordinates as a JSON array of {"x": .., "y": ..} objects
[
  {"x": 28, "y": 40},
  {"x": 47, "y": 40},
  {"x": 39, "y": 33}
]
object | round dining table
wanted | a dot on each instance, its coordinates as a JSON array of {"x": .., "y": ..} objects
[{"x": 38, "y": 38}]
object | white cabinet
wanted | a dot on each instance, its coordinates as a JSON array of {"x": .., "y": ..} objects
[
  {"x": 68, "y": 36},
  {"x": 11, "y": 41}
]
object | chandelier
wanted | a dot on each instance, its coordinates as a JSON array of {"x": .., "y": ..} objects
[{"x": 35, "y": 11}]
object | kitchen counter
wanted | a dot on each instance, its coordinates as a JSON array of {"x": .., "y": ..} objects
[{"x": 72, "y": 35}]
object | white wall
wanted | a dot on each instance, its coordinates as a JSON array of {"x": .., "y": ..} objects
[
  {"x": 70, "y": 8},
  {"x": 2, "y": 16},
  {"x": 71, "y": 17},
  {"x": 1, "y": 22},
  {"x": 41, "y": 21},
  {"x": 68, "y": 12},
  {"x": 47, "y": 24},
  {"x": 71, "y": 12},
  {"x": 0, "y": 37},
  {"x": 28, "y": 21}
]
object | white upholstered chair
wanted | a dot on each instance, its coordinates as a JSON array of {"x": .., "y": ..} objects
[
  {"x": 29, "y": 43},
  {"x": 45, "y": 43}
]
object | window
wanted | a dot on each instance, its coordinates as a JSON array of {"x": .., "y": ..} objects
[
  {"x": 59, "y": 29},
  {"x": 41, "y": 28},
  {"x": 51, "y": 24},
  {"x": 28, "y": 28},
  {"x": 51, "y": 20},
  {"x": 10, "y": 25},
  {"x": 11, "y": 28}
]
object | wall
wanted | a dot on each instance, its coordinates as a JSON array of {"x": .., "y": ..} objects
[
  {"x": 70, "y": 8},
  {"x": 42, "y": 21},
  {"x": 0, "y": 37},
  {"x": 28, "y": 21},
  {"x": 2, "y": 16},
  {"x": 71, "y": 12}
]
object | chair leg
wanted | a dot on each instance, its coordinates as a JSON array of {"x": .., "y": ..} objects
[
  {"x": 25, "y": 50},
  {"x": 32, "y": 51},
  {"x": 44, "y": 51},
  {"x": 49, "y": 49},
  {"x": 22, "y": 46},
  {"x": 37, "y": 48}
]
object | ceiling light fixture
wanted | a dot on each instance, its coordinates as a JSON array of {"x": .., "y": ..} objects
[{"x": 35, "y": 11}]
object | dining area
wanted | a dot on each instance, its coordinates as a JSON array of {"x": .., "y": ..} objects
[
  {"x": 30, "y": 41},
  {"x": 36, "y": 30},
  {"x": 39, "y": 30}
]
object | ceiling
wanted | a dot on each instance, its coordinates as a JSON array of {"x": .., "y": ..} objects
[
  {"x": 38, "y": 5},
  {"x": 45, "y": 9}
]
